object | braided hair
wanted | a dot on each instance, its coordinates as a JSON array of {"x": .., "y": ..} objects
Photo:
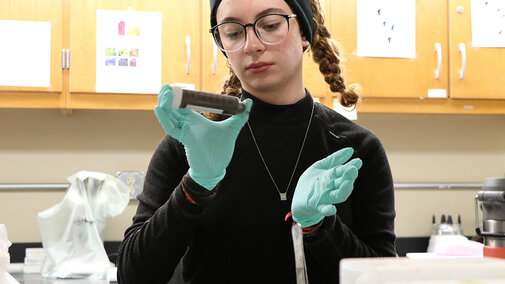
[{"x": 327, "y": 55}]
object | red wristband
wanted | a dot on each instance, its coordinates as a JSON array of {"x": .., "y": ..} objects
[{"x": 187, "y": 196}]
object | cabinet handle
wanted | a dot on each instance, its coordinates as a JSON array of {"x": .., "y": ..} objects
[
  {"x": 214, "y": 53},
  {"x": 67, "y": 62},
  {"x": 63, "y": 58},
  {"x": 462, "y": 49},
  {"x": 438, "y": 49},
  {"x": 188, "y": 53}
]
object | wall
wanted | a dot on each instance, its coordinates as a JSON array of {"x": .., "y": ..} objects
[
  {"x": 42, "y": 146},
  {"x": 439, "y": 148}
]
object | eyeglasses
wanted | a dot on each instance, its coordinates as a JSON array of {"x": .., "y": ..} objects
[{"x": 270, "y": 29}]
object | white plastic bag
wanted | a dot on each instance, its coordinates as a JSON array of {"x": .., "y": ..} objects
[{"x": 72, "y": 229}]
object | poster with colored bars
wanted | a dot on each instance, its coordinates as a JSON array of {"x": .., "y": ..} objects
[{"x": 128, "y": 52}]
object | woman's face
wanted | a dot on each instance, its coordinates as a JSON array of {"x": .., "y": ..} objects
[{"x": 261, "y": 67}]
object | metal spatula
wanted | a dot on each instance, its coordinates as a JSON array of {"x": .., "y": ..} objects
[{"x": 301, "y": 268}]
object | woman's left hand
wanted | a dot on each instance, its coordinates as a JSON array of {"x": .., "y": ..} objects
[{"x": 328, "y": 181}]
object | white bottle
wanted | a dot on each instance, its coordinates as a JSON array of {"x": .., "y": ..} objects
[{"x": 5, "y": 258}]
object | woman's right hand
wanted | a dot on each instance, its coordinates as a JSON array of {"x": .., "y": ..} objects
[{"x": 209, "y": 144}]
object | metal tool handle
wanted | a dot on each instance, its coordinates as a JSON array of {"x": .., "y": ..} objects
[
  {"x": 301, "y": 267},
  {"x": 478, "y": 229}
]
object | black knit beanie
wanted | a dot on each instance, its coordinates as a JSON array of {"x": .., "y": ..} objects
[{"x": 301, "y": 8}]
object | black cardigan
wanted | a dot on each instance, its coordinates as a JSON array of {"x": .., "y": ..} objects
[{"x": 237, "y": 232}]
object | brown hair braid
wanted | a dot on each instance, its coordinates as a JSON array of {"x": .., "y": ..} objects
[
  {"x": 232, "y": 86},
  {"x": 326, "y": 54}
]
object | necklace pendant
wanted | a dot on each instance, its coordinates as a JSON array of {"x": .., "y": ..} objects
[{"x": 283, "y": 196}]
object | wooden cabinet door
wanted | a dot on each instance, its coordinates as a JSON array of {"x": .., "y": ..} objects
[
  {"x": 484, "y": 67},
  {"x": 215, "y": 69},
  {"x": 38, "y": 11},
  {"x": 180, "y": 19},
  {"x": 395, "y": 77}
]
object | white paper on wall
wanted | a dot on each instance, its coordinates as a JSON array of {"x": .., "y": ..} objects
[
  {"x": 488, "y": 23},
  {"x": 386, "y": 28},
  {"x": 25, "y": 50},
  {"x": 128, "y": 52}
]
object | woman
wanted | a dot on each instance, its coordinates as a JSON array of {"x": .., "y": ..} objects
[{"x": 217, "y": 192}]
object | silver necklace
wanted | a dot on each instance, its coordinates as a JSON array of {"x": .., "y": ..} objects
[{"x": 283, "y": 195}]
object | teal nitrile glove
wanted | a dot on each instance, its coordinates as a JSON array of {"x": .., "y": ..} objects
[
  {"x": 209, "y": 144},
  {"x": 328, "y": 181}
]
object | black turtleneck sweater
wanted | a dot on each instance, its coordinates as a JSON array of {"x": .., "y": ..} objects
[{"x": 237, "y": 233}]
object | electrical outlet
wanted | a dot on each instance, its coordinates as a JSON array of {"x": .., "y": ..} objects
[{"x": 134, "y": 180}]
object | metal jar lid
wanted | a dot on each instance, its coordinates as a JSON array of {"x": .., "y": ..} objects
[{"x": 494, "y": 184}]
